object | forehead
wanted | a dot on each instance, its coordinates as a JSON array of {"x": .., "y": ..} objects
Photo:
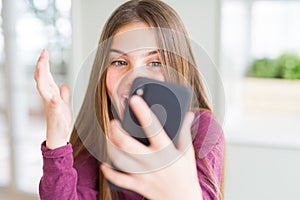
[{"x": 134, "y": 36}]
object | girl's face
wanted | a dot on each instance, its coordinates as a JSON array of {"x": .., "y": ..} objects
[{"x": 133, "y": 54}]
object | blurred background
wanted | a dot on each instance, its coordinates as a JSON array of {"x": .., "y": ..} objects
[{"x": 254, "y": 43}]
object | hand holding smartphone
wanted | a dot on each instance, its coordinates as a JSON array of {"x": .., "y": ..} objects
[{"x": 168, "y": 101}]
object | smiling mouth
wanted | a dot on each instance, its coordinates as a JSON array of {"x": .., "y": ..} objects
[{"x": 124, "y": 99}]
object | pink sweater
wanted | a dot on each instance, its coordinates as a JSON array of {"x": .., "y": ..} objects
[{"x": 67, "y": 179}]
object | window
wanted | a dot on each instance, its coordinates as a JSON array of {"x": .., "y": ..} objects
[
  {"x": 38, "y": 24},
  {"x": 259, "y": 110},
  {"x": 4, "y": 146}
]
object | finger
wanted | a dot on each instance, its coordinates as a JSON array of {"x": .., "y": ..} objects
[
  {"x": 126, "y": 162},
  {"x": 118, "y": 178},
  {"x": 41, "y": 56},
  {"x": 53, "y": 101},
  {"x": 39, "y": 63},
  {"x": 65, "y": 93},
  {"x": 44, "y": 57},
  {"x": 41, "y": 83},
  {"x": 45, "y": 83},
  {"x": 150, "y": 123},
  {"x": 185, "y": 138},
  {"x": 120, "y": 138}
]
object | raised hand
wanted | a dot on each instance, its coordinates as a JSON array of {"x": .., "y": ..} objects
[{"x": 56, "y": 103}]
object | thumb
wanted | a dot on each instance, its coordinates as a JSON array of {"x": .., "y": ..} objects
[{"x": 65, "y": 93}]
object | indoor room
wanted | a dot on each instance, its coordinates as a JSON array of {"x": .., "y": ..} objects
[{"x": 248, "y": 54}]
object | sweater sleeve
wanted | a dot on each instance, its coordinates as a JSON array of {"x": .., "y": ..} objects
[
  {"x": 63, "y": 179},
  {"x": 208, "y": 142}
]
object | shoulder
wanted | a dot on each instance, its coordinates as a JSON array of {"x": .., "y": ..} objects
[{"x": 207, "y": 133}]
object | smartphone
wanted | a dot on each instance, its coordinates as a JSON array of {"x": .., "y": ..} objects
[{"x": 168, "y": 101}]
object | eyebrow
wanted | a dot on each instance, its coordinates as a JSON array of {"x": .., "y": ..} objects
[
  {"x": 123, "y": 53},
  {"x": 117, "y": 51}
]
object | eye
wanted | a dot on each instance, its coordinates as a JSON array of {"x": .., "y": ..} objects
[
  {"x": 119, "y": 63},
  {"x": 154, "y": 64}
]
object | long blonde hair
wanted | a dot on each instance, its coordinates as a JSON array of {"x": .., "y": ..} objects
[{"x": 156, "y": 14}]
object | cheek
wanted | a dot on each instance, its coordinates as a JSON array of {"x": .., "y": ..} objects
[
  {"x": 160, "y": 77},
  {"x": 156, "y": 75},
  {"x": 110, "y": 82},
  {"x": 113, "y": 78}
]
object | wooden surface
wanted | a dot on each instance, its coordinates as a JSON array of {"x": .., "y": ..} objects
[{"x": 271, "y": 95}]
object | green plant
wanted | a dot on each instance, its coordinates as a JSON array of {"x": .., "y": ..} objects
[
  {"x": 286, "y": 66},
  {"x": 290, "y": 66},
  {"x": 264, "y": 68}
]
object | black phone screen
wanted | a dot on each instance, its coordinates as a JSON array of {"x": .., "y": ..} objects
[{"x": 168, "y": 101}]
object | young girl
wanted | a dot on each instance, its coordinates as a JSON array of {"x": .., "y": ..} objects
[{"x": 72, "y": 170}]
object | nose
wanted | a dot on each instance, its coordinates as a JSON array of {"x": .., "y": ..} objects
[{"x": 133, "y": 73}]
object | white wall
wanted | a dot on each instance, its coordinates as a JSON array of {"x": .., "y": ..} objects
[
  {"x": 88, "y": 18},
  {"x": 262, "y": 173}
]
